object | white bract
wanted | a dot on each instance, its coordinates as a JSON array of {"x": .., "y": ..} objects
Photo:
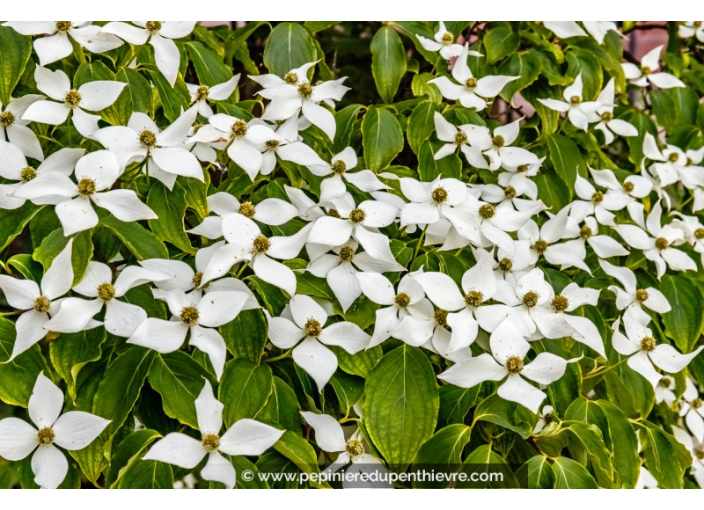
[
  {"x": 15, "y": 128},
  {"x": 202, "y": 94},
  {"x": 579, "y": 111},
  {"x": 646, "y": 74}
]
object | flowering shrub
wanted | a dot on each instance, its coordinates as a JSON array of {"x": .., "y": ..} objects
[{"x": 229, "y": 252}]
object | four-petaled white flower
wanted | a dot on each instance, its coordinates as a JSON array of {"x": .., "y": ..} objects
[
  {"x": 15, "y": 128},
  {"x": 645, "y": 74},
  {"x": 579, "y": 111},
  {"x": 202, "y": 94},
  {"x": 444, "y": 43},
  {"x": 604, "y": 116},
  {"x": 334, "y": 186},
  {"x": 567, "y": 29}
]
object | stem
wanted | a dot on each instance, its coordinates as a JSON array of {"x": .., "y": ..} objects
[
  {"x": 244, "y": 266},
  {"x": 420, "y": 241},
  {"x": 277, "y": 358},
  {"x": 595, "y": 374}
]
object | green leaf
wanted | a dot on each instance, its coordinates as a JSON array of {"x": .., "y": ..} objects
[
  {"x": 382, "y": 138},
  {"x": 246, "y": 336},
  {"x": 81, "y": 251},
  {"x": 421, "y": 124},
  {"x": 173, "y": 99},
  {"x": 538, "y": 473},
  {"x": 147, "y": 474},
  {"x": 455, "y": 403},
  {"x": 282, "y": 408},
  {"x": 127, "y": 453},
  {"x": 17, "y": 377},
  {"x": 179, "y": 379},
  {"x": 566, "y": 158},
  {"x": 443, "y": 450},
  {"x": 170, "y": 207},
  {"x": 135, "y": 97},
  {"x": 484, "y": 461},
  {"x": 683, "y": 323},
  {"x": 429, "y": 168},
  {"x": 599, "y": 457},
  {"x": 301, "y": 453},
  {"x": 401, "y": 404},
  {"x": 15, "y": 51},
  {"x": 288, "y": 47},
  {"x": 507, "y": 414},
  {"x": 570, "y": 474},
  {"x": 361, "y": 363},
  {"x": 70, "y": 352},
  {"x": 665, "y": 457},
  {"x": 388, "y": 62},
  {"x": 552, "y": 190},
  {"x": 500, "y": 42},
  {"x": 12, "y": 222},
  {"x": 345, "y": 121},
  {"x": 244, "y": 389},
  {"x": 623, "y": 444},
  {"x": 141, "y": 242},
  {"x": 525, "y": 65},
  {"x": 210, "y": 68}
]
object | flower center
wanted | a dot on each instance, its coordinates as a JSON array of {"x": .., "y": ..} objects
[
  {"x": 42, "y": 304},
  {"x": 247, "y": 209},
  {"x": 354, "y": 448},
  {"x": 347, "y": 254},
  {"x": 696, "y": 403},
  {"x": 530, "y": 299},
  {"x": 471, "y": 83},
  {"x": 460, "y": 137},
  {"x": 474, "y": 298},
  {"x": 338, "y": 167},
  {"x": 641, "y": 295},
  {"x": 597, "y": 197},
  {"x": 86, "y": 187},
  {"x": 45, "y": 436},
  {"x": 505, "y": 265},
  {"x": 699, "y": 454},
  {"x": 448, "y": 38},
  {"x": 697, "y": 24},
  {"x": 607, "y": 116},
  {"x": 291, "y": 78},
  {"x": 439, "y": 195},
  {"x": 272, "y": 145},
  {"x": 357, "y": 215},
  {"x": 106, "y": 292},
  {"x": 560, "y": 303},
  {"x": 585, "y": 232},
  {"x": 514, "y": 365},
  {"x": 498, "y": 141},
  {"x": 333, "y": 213},
  {"x": 699, "y": 233},
  {"x": 27, "y": 174},
  {"x": 239, "y": 128},
  {"x": 197, "y": 281},
  {"x": 645, "y": 70},
  {"x": 647, "y": 344},
  {"x": 312, "y": 328},
  {"x": 521, "y": 168},
  {"x": 147, "y": 139},
  {"x": 63, "y": 26},
  {"x": 575, "y": 100},
  {"x": 402, "y": 300},
  {"x": 72, "y": 98},
  {"x": 202, "y": 93},
  {"x": 541, "y": 246},
  {"x": 487, "y": 211},
  {"x": 510, "y": 192},
  {"x": 673, "y": 157},
  {"x": 305, "y": 90},
  {"x": 665, "y": 382},
  {"x": 628, "y": 187},
  {"x": 549, "y": 418},
  {"x": 261, "y": 244},
  {"x": 190, "y": 315},
  {"x": 440, "y": 317},
  {"x": 7, "y": 119},
  {"x": 153, "y": 26},
  {"x": 661, "y": 243},
  {"x": 210, "y": 442}
]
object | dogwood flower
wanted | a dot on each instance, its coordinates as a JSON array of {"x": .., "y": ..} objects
[
  {"x": 39, "y": 301},
  {"x": 429, "y": 201},
  {"x": 631, "y": 297},
  {"x": 160, "y": 35},
  {"x": 15, "y": 129},
  {"x": 595, "y": 203},
  {"x": 294, "y": 94},
  {"x": 304, "y": 330},
  {"x": 579, "y": 111},
  {"x": 567, "y": 29},
  {"x": 444, "y": 43},
  {"x": 693, "y": 411},
  {"x": 604, "y": 246},
  {"x": 334, "y": 186},
  {"x": 14, "y": 167},
  {"x": 163, "y": 151},
  {"x": 471, "y": 92},
  {"x": 689, "y": 29},
  {"x": 645, "y": 74},
  {"x": 644, "y": 353},
  {"x": 71, "y": 431},
  {"x": 96, "y": 173},
  {"x": 633, "y": 188},
  {"x": 604, "y": 115},
  {"x": 121, "y": 318},
  {"x": 202, "y": 94},
  {"x": 93, "y": 96},
  {"x": 199, "y": 315},
  {"x": 287, "y": 148},
  {"x": 663, "y": 391},
  {"x": 331, "y": 438},
  {"x": 245, "y": 437},
  {"x": 675, "y": 165},
  {"x": 58, "y": 34},
  {"x": 506, "y": 363},
  {"x": 696, "y": 449},
  {"x": 545, "y": 241},
  {"x": 491, "y": 152},
  {"x": 454, "y": 138}
]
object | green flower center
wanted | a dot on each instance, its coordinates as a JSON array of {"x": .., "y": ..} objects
[
  {"x": 498, "y": 141},
  {"x": 45, "y": 436},
  {"x": 474, "y": 298},
  {"x": 153, "y": 26},
  {"x": 505, "y": 265},
  {"x": 358, "y": 215},
  {"x": 190, "y": 315},
  {"x": 541, "y": 246},
  {"x": 628, "y": 187},
  {"x": 645, "y": 70},
  {"x": 312, "y": 328},
  {"x": 514, "y": 365},
  {"x": 247, "y": 209},
  {"x": 106, "y": 292},
  {"x": 272, "y": 145},
  {"x": 597, "y": 197},
  {"x": 440, "y": 317},
  {"x": 560, "y": 303},
  {"x": 63, "y": 26},
  {"x": 607, "y": 116},
  {"x": 305, "y": 90},
  {"x": 333, "y": 213},
  {"x": 27, "y": 174},
  {"x": 347, "y": 254},
  {"x": 261, "y": 244},
  {"x": 696, "y": 403},
  {"x": 460, "y": 137},
  {"x": 673, "y": 157},
  {"x": 448, "y": 38},
  {"x": 487, "y": 211},
  {"x": 575, "y": 100},
  {"x": 530, "y": 299},
  {"x": 699, "y": 233},
  {"x": 338, "y": 167},
  {"x": 147, "y": 139},
  {"x": 291, "y": 78},
  {"x": 641, "y": 295},
  {"x": 42, "y": 304},
  {"x": 510, "y": 192},
  {"x": 210, "y": 442},
  {"x": 439, "y": 195},
  {"x": 471, "y": 83},
  {"x": 7, "y": 119},
  {"x": 197, "y": 281},
  {"x": 647, "y": 344},
  {"x": 521, "y": 168},
  {"x": 202, "y": 93},
  {"x": 86, "y": 187},
  {"x": 661, "y": 243},
  {"x": 585, "y": 232},
  {"x": 402, "y": 300},
  {"x": 72, "y": 98},
  {"x": 239, "y": 128},
  {"x": 354, "y": 448}
]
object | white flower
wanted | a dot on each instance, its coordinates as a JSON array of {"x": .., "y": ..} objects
[
  {"x": 160, "y": 35},
  {"x": 496, "y": 148},
  {"x": 38, "y": 301},
  {"x": 201, "y": 94},
  {"x": 14, "y": 167},
  {"x": 287, "y": 147},
  {"x": 544, "y": 241},
  {"x": 633, "y": 188},
  {"x": 334, "y": 186},
  {"x": 644, "y": 352},
  {"x": 92, "y": 96},
  {"x": 444, "y": 43},
  {"x": 693, "y": 410},
  {"x": 331, "y": 438},
  {"x": 57, "y": 45},
  {"x": 545, "y": 418},
  {"x": 664, "y": 393},
  {"x": 689, "y": 29},
  {"x": 567, "y": 29},
  {"x": 121, "y": 318},
  {"x": 604, "y": 246},
  {"x": 675, "y": 165},
  {"x": 306, "y": 333},
  {"x": 646, "y": 75},
  {"x": 632, "y": 298},
  {"x": 294, "y": 93},
  {"x": 519, "y": 177},
  {"x": 580, "y": 112},
  {"x": 72, "y": 431},
  {"x": 604, "y": 115},
  {"x": 595, "y": 202},
  {"x": 96, "y": 173},
  {"x": 12, "y": 125},
  {"x": 246, "y": 437},
  {"x": 430, "y": 201},
  {"x": 195, "y": 314},
  {"x": 471, "y": 92},
  {"x": 506, "y": 362},
  {"x": 163, "y": 151},
  {"x": 696, "y": 449}
]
